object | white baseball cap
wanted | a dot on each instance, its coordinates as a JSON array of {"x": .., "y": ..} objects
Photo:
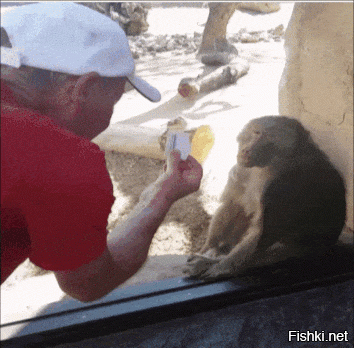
[{"x": 70, "y": 38}]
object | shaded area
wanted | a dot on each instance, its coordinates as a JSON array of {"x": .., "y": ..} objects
[
  {"x": 297, "y": 295},
  {"x": 263, "y": 323}
]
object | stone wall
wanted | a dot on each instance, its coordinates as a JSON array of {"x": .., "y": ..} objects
[{"x": 317, "y": 82}]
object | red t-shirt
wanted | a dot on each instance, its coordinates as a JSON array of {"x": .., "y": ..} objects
[{"x": 56, "y": 193}]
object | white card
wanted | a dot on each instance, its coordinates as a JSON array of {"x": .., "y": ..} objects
[{"x": 179, "y": 141}]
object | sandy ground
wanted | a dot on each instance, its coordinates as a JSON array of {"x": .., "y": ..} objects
[{"x": 225, "y": 110}]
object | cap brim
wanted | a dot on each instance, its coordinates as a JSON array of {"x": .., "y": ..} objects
[{"x": 144, "y": 88}]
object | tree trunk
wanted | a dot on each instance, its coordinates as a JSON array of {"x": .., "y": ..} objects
[{"x": 215, "y": 50}]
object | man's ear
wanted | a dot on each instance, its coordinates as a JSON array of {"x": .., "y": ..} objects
[{"x": 83, "y": 85}]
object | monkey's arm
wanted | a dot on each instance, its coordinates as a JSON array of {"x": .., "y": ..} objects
[
  {"x": 240, "y": 254},
  {"x": 226, "y": 228},
  {"x": 229, "y": 217}
]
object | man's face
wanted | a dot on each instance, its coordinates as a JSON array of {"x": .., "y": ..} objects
[{"x": 96, "y": 112}]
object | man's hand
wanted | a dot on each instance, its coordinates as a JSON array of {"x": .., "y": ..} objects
[{"x": 180, "y": 178}]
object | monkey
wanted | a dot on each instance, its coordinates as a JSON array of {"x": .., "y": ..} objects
[{"x": 283, "y": 199}]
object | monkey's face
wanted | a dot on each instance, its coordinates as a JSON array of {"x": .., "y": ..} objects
[{"x": 264, "y": 140}]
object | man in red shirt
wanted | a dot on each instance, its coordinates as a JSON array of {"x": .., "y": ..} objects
[{"x": 63, "y": 68}]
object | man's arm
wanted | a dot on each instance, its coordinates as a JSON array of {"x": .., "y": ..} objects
[
  {"x": 128, "y": 244},
  {"x": 127, "y": 248}
]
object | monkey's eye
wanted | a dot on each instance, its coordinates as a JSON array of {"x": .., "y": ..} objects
[{"x": 257, "y": 132}]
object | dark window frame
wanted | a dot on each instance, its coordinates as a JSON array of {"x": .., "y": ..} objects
[{"x": 160, "y": 301}]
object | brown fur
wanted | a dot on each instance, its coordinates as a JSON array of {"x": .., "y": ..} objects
[{"x": 283, "y": 199}]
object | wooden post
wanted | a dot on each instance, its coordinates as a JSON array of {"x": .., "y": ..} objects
[
  {"x": 138, "y": 140},
  {"x": 225, "y": 75},
  {"x": 151, "y": 142}
]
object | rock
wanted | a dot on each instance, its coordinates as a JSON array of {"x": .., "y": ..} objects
[
  {"x": 277, "y": 32},
  {"x": 131, "y": 16},
  {"x": 225, "y": 53},
  {"x": 263, "y": 7},
  {"x": 249, "y": 38}
]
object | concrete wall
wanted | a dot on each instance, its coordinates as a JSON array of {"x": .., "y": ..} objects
[{"x": 317, "y": 81}]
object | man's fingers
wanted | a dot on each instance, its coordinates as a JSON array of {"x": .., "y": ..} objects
[
  {"x": 193, "y": 161},
  {"x": 173, "y": 159},
  {"x": 174, "y": 163},
  {"x": 195, "y": 166}
]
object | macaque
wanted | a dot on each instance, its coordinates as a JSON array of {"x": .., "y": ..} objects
[{"x": 283, "y": 199}]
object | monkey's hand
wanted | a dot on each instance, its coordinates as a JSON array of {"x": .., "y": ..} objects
[
  {"x": 197, "y": 265},
  {"x": 218, "y": 271}
]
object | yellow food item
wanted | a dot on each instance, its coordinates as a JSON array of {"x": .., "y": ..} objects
[{"x": 202, "y": 142}]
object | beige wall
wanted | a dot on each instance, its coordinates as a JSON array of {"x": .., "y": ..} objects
[{"x": 317, "y": 82}]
